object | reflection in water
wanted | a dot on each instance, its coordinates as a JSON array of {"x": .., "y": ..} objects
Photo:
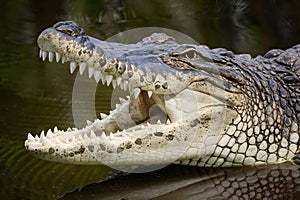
[
  {"x": 179, "y": 182},
  {"x": 35, "y": 95}
]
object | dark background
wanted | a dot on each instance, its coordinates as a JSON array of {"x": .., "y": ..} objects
[{"x": 36, "y": 95}]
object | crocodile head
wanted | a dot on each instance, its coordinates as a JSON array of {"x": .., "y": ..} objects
[{"x": 180, "y": 105}]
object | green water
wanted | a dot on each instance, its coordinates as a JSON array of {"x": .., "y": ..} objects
[{"x": 36, "y": 95}]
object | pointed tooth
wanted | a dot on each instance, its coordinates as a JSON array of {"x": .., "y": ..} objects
[
  {"x": 49, "y": 134},
  {"x": 69, "y": 129},
  {"x": 150, "y": 92},
  {"x": 82, "y": 67},
  {"x": 168, "y": 121},
  {"x": 124, "y": 133},
  {"x": 42, "y": 136},
  {"x": 93, "y": 135},
  {"x": 36, "y": 138},
  {"x": 103, "y": 116},
  {"x": 103, "y": 136},
  {"x": 143, "y": 126},
  {"x": 111, "y": 136},
  {"x": 97, "y": 75},
  {"x": 158, "y": 121},
  {"x": 57, "y": 56},
  {"x": 50, "y": 56},
  {"x": 73, "y": 66},
  {"x": 55, "y": 130},
  {"x": 44, "y": 55},
  {"x": 148, "y": 124},
  {"x": 63, "y": 59},
  {"x": 108, "y": 79},
  {"x": 30, "y": 138},
  {"x": 122, "y": 100},
  {"x": 91, "y": 72},
  {"x": 114, "y": 83},
  {"x": 88, "y": 122},
  {"x": 103, "y": 80},
  {"x": 119, "y": 80},
  {"x": 125, "y": 84},
  {"x": 136, "y": 92},
  {"x": 40, "y": 53}
]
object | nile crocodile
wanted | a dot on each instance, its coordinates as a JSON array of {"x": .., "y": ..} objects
[{"x": 188, "y": 104}]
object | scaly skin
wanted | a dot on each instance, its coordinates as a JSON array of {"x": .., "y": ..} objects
[{"x": 211, "y": 107}]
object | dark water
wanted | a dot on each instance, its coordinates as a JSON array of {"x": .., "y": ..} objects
[{"x": 36, "y": 95}]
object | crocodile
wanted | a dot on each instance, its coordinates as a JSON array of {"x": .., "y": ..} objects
[{"x": 187, "y": 104}]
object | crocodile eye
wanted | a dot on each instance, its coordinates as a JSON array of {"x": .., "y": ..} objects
[{"x": 69, "y": 32}]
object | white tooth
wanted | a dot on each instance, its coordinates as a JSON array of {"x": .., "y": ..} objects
[
  {"x": 149, "y": 93},
  {"x": 103, "y": 79},
  {"x": 69, "y": 129},
  {"x": 40, "y": 53},
  {"x": 51, "y": 56},
  {"x": 103, "y": 136},
  {"x": 73, "y": 66},
  {"x": 142, "y": 126},
  {"x": 42, "y": 136},
  {"x": 57, "y": 57},
  {"x": 159, "y": 122},
  {"x": 111, "y": 136},
  {"x": 30, "y": 138},
  {"x": 124, "y": 133},
  {"x": 82, "y": 68},
  {"x": 44, "y": 55},
  {"x": 88, "y": 122},
  {"x": 91, "y": 72},
  {"x": 136, "y": 92},
  {"x": 55, "y": 130},
  {"x": 36, "y": 138},
  {"x": 119, "y": 80},
  {"x": 128, "y": 97},
  {"x": 114, "y": 83},
  {"x": 93, "y": 135},
  {"x": 148, "y": 124},
  {"x": 103, "y": 116},
  {"x": 108, "y": 79},
  {"x": 97, "y": 75},
  {"x": 122, "y": 100},
  {"x": 125, "y": 83},
  {"x": 49, "y": 134},
  {"x": 63, "y": 59},
  {"x": 168, "y": 121}
]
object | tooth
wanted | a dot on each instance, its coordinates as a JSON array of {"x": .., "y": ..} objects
[
  {"x": 91, "y": 72},
  {"x": 44, "y": 55},
  {"x": 103, "y": 116},
  {"x": 97, "y": 75},
  {"x": 122, "y": 100},
  {"x": 57, "y": 57},
  {"x": 63, "y": 59},
  {"x": 51, "y": 56},
  {"x": 42, "y": 136},
  {"x": 168, "y": 121},
  {"x": 142, "y": 126},
  {"x": 88, "y": 122},
  {"x": 136, "y": 92},
  {"x": 125, "y": 85},
  {"x": 119, "y": 80},
  {"x": 36, "y": 138},
  {"x": 149, "y": 93},
  {"x": 40, "y": 53},
  {"x": 30, "y": 138},
  {"x": 103, "y": 136},
  {"x": 69, "y": 129},
  {"x": 93, "y": 135},
  {"x": 46, "y": 142},
  {"x": 114, "y": 83},
  {"x": 108, "y": 79},
  {"x": 148, "y": 124},
  {"x": 124, "y": 133},
  {"x": 49, "y": 133},
  {"x": 73, "y": 66},
  {"x": 82, "y": 68},
  {"x": 111, "y": 136},
  {"x": 158, "y": 121},
  {"x": 55, "y": 130}
]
